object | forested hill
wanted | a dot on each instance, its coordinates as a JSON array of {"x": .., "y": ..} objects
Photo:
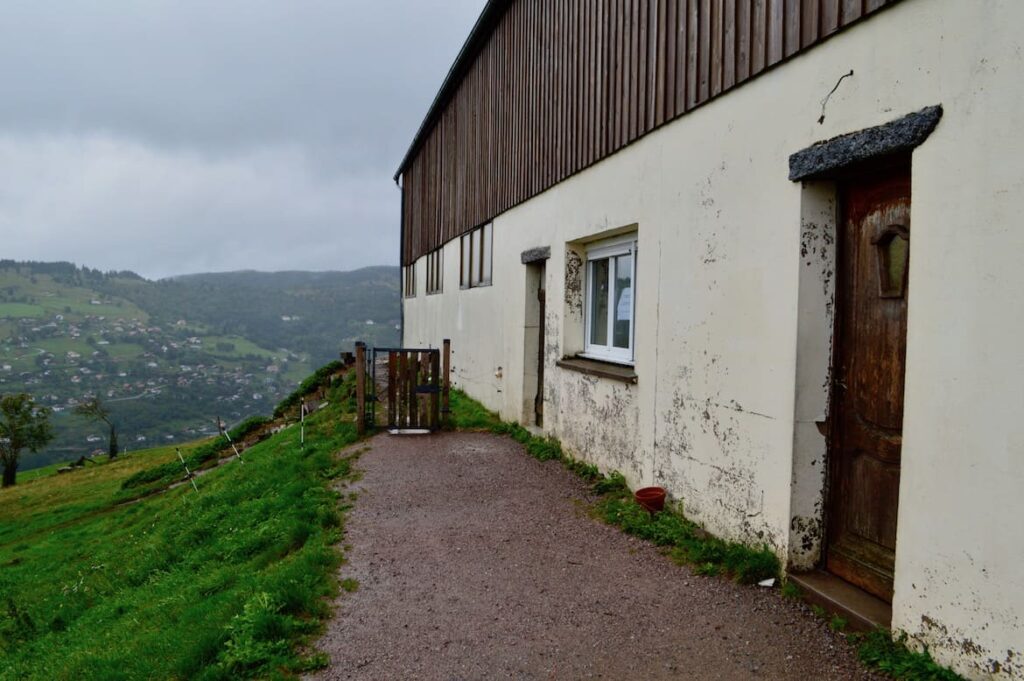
[
  {"x": 317, "y": 313},
  {"x": 170, "y": 355}
]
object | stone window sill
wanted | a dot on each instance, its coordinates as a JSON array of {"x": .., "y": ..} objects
[{"x": 593, "y": 367}]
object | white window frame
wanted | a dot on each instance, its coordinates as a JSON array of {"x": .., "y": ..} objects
[{"x": 610, "y": 248}]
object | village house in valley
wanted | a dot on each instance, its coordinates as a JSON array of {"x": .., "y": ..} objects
[{"x": 766, "y": 254}]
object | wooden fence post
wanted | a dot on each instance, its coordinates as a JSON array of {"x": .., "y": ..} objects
[
  {"x": 446, "y": 381},
  {"x": 361, "y": 388},
  {"x": 392, "y": 382},
  {"x": 435, "y": 394}
]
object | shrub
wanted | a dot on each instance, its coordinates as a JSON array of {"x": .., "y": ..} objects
[
  {"x": 247, "y": 426},
  {"x": 317, "y": 379}
]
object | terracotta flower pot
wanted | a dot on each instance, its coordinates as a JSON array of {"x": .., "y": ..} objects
[{"x": 651, "y": 498}]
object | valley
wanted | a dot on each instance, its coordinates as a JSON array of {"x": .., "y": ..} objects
[{"x": 170, "y": 357}]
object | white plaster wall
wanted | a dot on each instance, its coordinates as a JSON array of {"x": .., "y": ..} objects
[{"x": 715, "y": 414}]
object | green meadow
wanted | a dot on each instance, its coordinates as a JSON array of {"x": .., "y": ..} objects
[{"x": 227, "y": 582}]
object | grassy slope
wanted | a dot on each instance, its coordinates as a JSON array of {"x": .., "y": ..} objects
[{"x": 219, "y": 584}]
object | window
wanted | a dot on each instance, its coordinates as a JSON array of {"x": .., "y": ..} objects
[
  {"x": 435, "y": 272},
  {"x": 893, "y": 246},
  {"x": 610, "y": 301},
  {"x": 409, "y": 280},
  {"x": 475, "y": 269}
]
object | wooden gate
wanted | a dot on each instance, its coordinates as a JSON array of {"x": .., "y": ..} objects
[{"x": 406, "y": 388}]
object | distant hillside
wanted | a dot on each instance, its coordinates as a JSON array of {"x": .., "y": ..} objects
[{"x": 170, "y": 355}]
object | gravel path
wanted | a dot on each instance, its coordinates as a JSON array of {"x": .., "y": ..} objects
[{"x": 476, "y": 561}]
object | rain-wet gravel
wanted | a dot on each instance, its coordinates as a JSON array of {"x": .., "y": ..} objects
[{"x": 475, "y": 561}]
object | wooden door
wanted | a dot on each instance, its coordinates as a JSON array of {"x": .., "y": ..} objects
[{"x": 868, "y": 372}]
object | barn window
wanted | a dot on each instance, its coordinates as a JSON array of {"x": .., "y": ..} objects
[
  {"x": 435, "y": 272},
  {"x": 475, "y": 267},
  {"x": 610, "y": 301},
  {"x": 409, "y": 280}
]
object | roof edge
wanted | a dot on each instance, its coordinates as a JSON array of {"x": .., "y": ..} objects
[{"x": 478, "y": 37}]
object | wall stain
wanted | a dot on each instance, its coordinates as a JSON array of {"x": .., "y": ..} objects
[
  {"x": 574, "y": 282},
  {"x": 936, "y": 635}
]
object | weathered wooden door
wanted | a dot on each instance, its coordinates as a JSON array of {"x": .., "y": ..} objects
[{"x": 868, "y": 372}]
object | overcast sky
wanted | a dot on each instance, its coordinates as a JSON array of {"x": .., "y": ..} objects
[{"x": 177, "y": 136}]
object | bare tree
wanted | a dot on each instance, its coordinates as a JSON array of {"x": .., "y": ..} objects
[
  {"x": 23, "y": 425},
  {"x": 94, "y": 409}
]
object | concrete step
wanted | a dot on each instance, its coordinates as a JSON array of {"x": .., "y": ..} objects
[{"x": 862, "y": 610}]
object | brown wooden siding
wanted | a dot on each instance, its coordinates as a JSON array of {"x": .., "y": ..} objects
[{"x": 561, "y": 84}]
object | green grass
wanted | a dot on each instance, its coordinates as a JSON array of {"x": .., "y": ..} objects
[
  {"x": 468, "y": 414},
  {"x": 243, "y": 347},
  {"x": 890, "y": 656},
  {"x": 791, "y": 590},
  {"x": 61, "y": 346},
  {"x": 122, "y": 350},
  {"x": 21, "y": 310},
  {"x": 220, "y": 584},
  {"x": 52, "y": 298}
]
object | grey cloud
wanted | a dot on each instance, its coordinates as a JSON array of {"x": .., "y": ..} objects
[{"x": 182, "y": 136}]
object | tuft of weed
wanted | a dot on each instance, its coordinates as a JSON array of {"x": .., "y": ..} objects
[
  {"x": 791, "y": 590},
  {"x": 880, "y": 651},
  {"x": 612, "y": 485},
  {"x": 838, "y": 623}
]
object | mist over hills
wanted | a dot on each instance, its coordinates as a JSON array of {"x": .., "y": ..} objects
[{"x": 168, "y": 356}]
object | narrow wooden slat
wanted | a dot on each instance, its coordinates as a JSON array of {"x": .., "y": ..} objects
[
  {"x": 660, "y": 59},
  {"x": 412, "y": 362},
  {"x": 704, "y": 52},
  {"x": 602, "y": 96},
  {"x": 743, "y": 40},
  {"x": 872, "y": 5},
  {"x": 629, "y": 66},
  {"x": 682, "y": 56},
  {"x": 729, "y": 44},
  {"x": 717, "y": 27},
  {"x": 655, "y": 66},
  {"x": 424, "y": 398},
  {"x": 776, "y": 29},
  {"x": 759, "y": 36},
  {"x": 792, "y": 27},
  {"x": 435, "y": 397},
  {"x": 399, "y": 381},
  {"x": 446, "y": 369},
  {"x": 809, "y": 22},
  {"x": 392, "y": 392},
  {"x": 643, "y": 65},
  {"x": 577, "y": 85},
  {"x": 615, "y": 76},
  {"x": 852, "y": 10},
  {"x": 692, "y": 49},
  {"x": 671, "y": 30},
  {"x": 829, "y": 16}
]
